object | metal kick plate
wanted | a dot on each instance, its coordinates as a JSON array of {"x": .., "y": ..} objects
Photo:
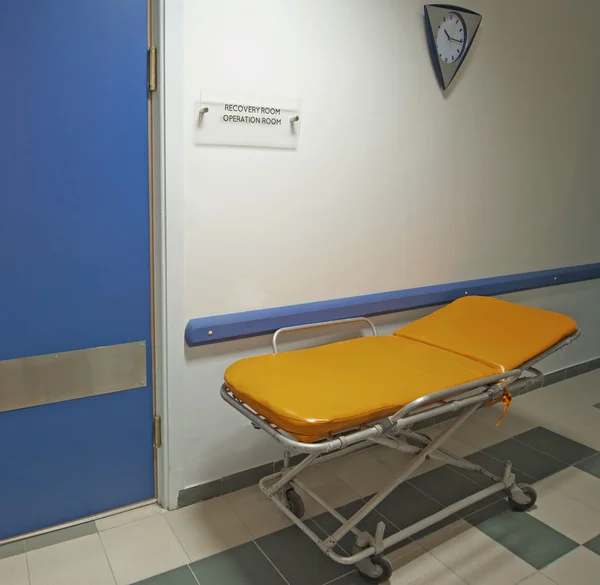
[{"x": 43, "y": 379}]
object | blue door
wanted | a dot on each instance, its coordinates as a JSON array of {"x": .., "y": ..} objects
[{"x": 75, "y": 278}]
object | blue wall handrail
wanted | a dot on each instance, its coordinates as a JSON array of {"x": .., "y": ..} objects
[{"x": 205, "y": 330}]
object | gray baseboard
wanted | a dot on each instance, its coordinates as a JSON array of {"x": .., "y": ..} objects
[{"x": 250, "y": 477}]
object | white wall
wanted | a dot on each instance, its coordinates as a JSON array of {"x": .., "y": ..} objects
[
  {"x": 358, "y": 207},
  {"x": 393, "y": 185}
]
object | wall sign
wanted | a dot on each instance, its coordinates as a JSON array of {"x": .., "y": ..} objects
[{"x": 242, "y": 120}]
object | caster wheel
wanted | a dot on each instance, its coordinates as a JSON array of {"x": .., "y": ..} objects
[
  {"x": 294, "y": 503},
  {"x": 529, "y": 492},
  {"x": 383, "y": 566}
]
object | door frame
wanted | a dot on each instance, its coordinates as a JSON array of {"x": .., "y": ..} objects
[{"x": 167, "y": 154}]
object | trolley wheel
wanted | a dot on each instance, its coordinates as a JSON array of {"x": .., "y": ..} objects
[
  {"x": 529, "y": 492},
  {"x": 294, "y": 503},
  {"x": 383, "y": 566}
]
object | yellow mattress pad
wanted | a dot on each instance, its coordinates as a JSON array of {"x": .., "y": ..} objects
[
  {"x": 316, "y": 392},
  {"x": 311, "y": 393},
  {"x": 491, "y": 331}
]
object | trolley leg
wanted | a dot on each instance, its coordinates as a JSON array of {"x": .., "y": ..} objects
[{"x": 401, "y": 478}]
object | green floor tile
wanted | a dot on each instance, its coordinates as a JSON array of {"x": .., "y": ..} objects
[
  {"x": 242, "y": 565},
  {"x": 591, "y": 465},
  {"x": 554, "y": 377},
  {"x": 481, "y": 504},
  {"x": 407, "y": 505},
  {"x": 594, "y": 544},
  {"x": 526, "y": 459},
  {"x": 556, "y": 445},
  {"x": 446, "y": 486},
  {"x": 525, "y": 536},
  {"x": 329, "y": 525},
  {"x": 492, "y": 465},
  {"x": 181, "y": 576},
  {"x": 12, "y": 549},
  {"x": 297, "y": 557}
]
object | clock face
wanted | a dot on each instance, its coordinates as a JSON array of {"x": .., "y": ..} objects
[{"x": 451, "y": 38}]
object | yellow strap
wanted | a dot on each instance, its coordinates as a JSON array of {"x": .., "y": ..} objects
[{"x": 506, "y": 399}]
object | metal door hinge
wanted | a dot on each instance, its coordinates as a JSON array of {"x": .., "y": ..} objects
[
  {"x": 157, "y": 432},
  {"x": 152, "y": 68}
]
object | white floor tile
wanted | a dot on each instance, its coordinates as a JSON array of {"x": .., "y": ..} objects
[
  {"x": 583, "y": 390},
  {"x": 127, "y": 517},
  {"x": 404, "y": 555},
  {"x": 318, "y": 475},
  {"x": 512, "y": 424},
  {"x": 327, "y": 486},
  {"x": 396, "y": 461},
  {"x": 142, "y": 549},
  {"x": 578, "y": 485},
  {"x": 208, "y": 528},
  {"x": 567, "y": 516},
  {"x": 257, "y": 512},
  {"x": 426, "y": 466},
  {"x": 425, "y": 569},
  {"x": 540, "y": 412},
  {"x": 580, "y": 567},
  {"x": 362, "y": 471},
  {"x": 546, "y": 405},
  {"x": 81, "y": 561},
  {"x": 582, "y": 426},
  {"x": 393, "y": 459},
  {"x": 479, "y": 560},
  {"x": 479, "y": 434},
  {"x": 335, "y": 492},
  {"x": 453, "y": 444},
  {"x": 13, "y": 571},
  {"x": 537, "y": 579}
]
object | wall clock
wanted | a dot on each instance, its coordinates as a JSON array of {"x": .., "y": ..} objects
[{"x": 450, "y": 32}]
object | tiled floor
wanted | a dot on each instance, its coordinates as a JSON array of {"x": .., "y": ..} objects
[{"x": 552, "y": 436}]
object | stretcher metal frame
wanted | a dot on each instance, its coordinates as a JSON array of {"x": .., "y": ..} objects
[{"x": 393, "y": 432}]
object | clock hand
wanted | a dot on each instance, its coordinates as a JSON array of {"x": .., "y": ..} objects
[
  {"x": 449, "y": 38},
  {"x": 455, "y": 40}
]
